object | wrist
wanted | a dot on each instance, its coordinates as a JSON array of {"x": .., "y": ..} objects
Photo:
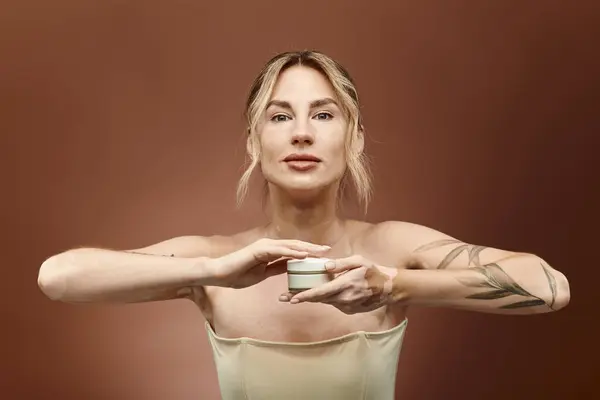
[
  {"x": 393, "y": 292},
  {"x": 399, "y": 286},
  {"x": 205, "y": 272}
]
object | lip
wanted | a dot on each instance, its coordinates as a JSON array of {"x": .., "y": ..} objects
[
  {"x": 301, "y": 157},
  {"x": 302, "y": 162}
]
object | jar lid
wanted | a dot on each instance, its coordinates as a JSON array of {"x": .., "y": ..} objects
[{"x": 308, "y": 264}]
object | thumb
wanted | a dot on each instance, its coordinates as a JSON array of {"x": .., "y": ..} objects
[{"x": 337, "y": 266}]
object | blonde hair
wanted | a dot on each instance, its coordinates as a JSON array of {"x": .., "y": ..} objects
[{"x": 346, "y": 92}]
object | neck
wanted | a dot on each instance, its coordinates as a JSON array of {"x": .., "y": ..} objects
[{"x": 313, "y": 219}]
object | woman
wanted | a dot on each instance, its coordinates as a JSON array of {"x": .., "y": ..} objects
[{"x": 337, "y": 341}]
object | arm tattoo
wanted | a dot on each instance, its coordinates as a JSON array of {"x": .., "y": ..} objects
[
  {"x": 502, "y": 285},
  {"x": 148, "y": 254},
  {"x": 494, "y": 277},
  {"x": 551, "y": 283},
  {"x": 472, "y": 250}
]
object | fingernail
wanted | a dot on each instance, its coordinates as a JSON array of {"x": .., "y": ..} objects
[
  {"x": 329, "y": 265},
  {"x": 294, "y": 301}
]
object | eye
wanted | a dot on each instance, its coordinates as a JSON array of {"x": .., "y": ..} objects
[
  {"x": 323, "y": 116},
  {"x": 279, "y": 118}
]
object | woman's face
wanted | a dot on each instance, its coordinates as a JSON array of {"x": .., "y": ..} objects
[{"x": 302, "y": 133}]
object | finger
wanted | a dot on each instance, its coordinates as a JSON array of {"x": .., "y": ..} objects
[
  {"x": 285, "y": 297},
  {"x": 273, "y": 253},
  {"x": 317, "y": 294},
  {"x": 344, "y": 264},
  {"x": 301, "y": 252},
  {"x": 300, "y": 245}
]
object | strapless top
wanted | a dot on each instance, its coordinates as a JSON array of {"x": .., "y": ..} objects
[{"x": 359, "y": 365}]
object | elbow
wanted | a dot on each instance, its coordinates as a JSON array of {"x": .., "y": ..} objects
[
  {"x": 51, "y": 278},
  {"x": 563, "y": 291},
  {"x": 556, "y": 285}
]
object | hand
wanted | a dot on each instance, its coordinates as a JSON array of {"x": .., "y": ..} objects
[
  {"x": 260, "y": 260},
  {"x": 359, "y": 286}
]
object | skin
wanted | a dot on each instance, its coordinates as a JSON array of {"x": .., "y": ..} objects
[{"x": 380, "y": 269}]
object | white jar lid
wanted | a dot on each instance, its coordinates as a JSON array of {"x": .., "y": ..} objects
[{"x": 308, "y": 264}]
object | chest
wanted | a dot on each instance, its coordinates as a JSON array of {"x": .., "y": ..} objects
[{"x": 256, "y": 311}]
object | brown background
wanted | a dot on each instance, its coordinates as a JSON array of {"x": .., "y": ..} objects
[{"x": 121, "y": 126}]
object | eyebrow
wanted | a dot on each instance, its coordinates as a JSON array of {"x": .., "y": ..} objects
[{"x": 313, "y": 104}]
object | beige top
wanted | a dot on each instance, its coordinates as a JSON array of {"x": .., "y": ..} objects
[{"x": 360, "y": 365}]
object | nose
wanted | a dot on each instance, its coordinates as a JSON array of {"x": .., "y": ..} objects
[{"x": 302, "y": 134}]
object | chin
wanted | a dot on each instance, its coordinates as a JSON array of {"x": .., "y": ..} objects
[
  {"x": 302, "y": 187},
  {"x": 302, "y": 184}
]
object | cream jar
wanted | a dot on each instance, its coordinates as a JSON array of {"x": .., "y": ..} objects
[{"x": 306, "y": 273}]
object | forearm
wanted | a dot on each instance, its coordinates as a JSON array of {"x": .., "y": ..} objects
[
  {"x": 519, "y": 285},
  {"x": 97, "y": 275}
]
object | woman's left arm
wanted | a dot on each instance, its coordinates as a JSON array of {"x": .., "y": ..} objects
[
  {"x": 447, "y": 272},
  {"x": 436, "y": 270}
]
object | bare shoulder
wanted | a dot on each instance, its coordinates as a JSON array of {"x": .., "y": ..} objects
[
  {"x": 398, "y": 233},
  {"x": 407, "y": 235},
  {"x": 225, "y": 244},
  {"x": 399, "y": 240},
  {"x": 420, "y": 246}
]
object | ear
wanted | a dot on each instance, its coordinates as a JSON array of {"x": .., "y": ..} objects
[
  {"x": 253, "y": 147},
  {"x": 359, "y": 144},
  {"x": 249, "y": 144}
]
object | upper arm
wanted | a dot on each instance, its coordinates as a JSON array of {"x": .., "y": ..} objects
[
  {"x": 181, "y": 246},
  {"x": 432, "y": 249},
  {"x": 184, "y": 247}
]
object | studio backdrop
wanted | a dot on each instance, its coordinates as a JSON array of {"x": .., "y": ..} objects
[{"x": 122, "y": 126}]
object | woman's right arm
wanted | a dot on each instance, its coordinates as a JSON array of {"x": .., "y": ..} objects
[{"x": 166, "y": 270}]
